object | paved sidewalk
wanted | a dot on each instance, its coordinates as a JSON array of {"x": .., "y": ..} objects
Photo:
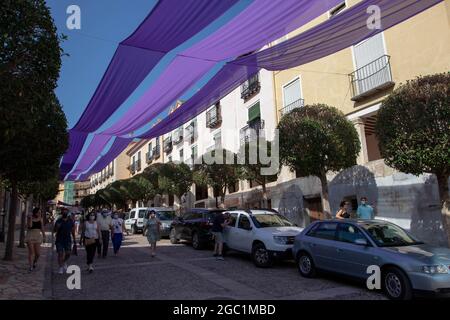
[{"x": 16, "y": 281}]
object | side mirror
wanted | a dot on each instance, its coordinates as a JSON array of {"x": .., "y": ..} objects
[{"x": 361, "y": 242}]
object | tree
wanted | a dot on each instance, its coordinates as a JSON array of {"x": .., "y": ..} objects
[
  {"x": 219, "y": 176},
  {"x": 146, "y": 190},
  {"x": 33, "y": 128},
  {"x": 175, "y": 178},
  {"x": 324, "y": 141},
  {"x": 413, "y": 129},
  {"x": 252, "y": 170}
]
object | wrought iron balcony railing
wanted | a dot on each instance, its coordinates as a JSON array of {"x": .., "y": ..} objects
[
  {"x": 168, "y": 144},
  {"x": 177, "y": 136},
  {"x": 156, "y": 152},
  {"x": 214, "y": 117},
  {"x": 371, "y": 78},
  {"x": 148, "y": 157},
  {"x": 294, "y": 105},
  {"x": 252, "y": 131},
  {"x": 250, "y": 87}
]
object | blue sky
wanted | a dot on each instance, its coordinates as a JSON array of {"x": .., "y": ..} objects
[{"x": 104, "y": 23}]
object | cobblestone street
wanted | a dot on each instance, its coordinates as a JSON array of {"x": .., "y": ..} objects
[{"x": 179, "y": 272}]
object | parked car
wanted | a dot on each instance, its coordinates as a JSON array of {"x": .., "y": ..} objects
[
  {"x": 193, "y": 226},
  {"x": 264, "y": 234},
  {"x": 165, "y": 215},
  {"x": 349, "y": 247},
  {"x": 135, "y": 220}
]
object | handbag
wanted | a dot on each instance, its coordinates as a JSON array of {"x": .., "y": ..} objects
[{"x": 89, "y": 241}]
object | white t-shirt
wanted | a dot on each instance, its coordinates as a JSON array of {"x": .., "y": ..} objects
[
  {"x": 91, "y": 230},
  {"x": 117, "y": 225}
]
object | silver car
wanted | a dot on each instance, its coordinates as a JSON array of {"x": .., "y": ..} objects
[{"x": 349, "y": 247}]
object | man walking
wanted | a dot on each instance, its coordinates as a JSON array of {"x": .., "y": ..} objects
[
  {"x": 63, "y": 228},
  {"x": 364, "y": 210},
  {"x": 219, "y": 223},
  {"x": 104, "y": 220}
]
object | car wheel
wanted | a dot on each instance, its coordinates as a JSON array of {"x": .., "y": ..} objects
[
  {"x": 306, "y": 265},
  {"x": 133, "y": 230},
  {"x": 196, "y": 243},
  {"x": 261, "y": 256},
  {"x": 396, "y": 284},
  {"x": 173, "y": 236}
]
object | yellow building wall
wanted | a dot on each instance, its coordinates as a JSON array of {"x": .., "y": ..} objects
[{"x": 417, "y": 46}]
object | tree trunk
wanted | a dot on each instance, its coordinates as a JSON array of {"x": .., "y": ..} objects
[
  {"x": 445, "y": 203},
  {"x": 23, "y": 220},
  {"x": 325, "y": 199},
  {"x": 264, "y": 195},
  {"x": 11, "y": 223}
]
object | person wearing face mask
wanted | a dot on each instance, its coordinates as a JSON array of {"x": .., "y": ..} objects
[
  {"x": 104, "y": 220},
  {"x": 92, "y": 237},
  {"x": 365, "y": 211},
  {"x": 64, "y": 228},
  {"x": 343, "y": 212},
  {"x": 118, "y": 228},
  {"x": 153, "y": 231}
]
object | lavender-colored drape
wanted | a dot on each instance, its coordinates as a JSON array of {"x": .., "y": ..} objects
[
  {"x": 260, "y": 23},
  {"x": 344, "y": 30},
  {"x": 169, "y": 24}
]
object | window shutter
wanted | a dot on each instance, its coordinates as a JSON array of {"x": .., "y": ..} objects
[
  {"x": 254, "y": 112},
  {"x": 292, "y": 92}
]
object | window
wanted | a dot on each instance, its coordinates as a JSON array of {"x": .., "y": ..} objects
[
  {"x": 254, "y": 112},
  {"x": 170, "y": 158},
  {"x": 389, "y": 235},
  {"x": 325, "y": 230},
  {"x": 292, "y": 96},
  {"x": 232, "y": 219},
  {"x": 270, "y": 220},
  {"x": 142, "y": 213},
  {"x": 338, "y": 9},
  {"x": 181, "y": 154},
  {"x": 349, "y": 233},
  {"x": 244, "y": 222},
  {"x": 218, "y": 140}
]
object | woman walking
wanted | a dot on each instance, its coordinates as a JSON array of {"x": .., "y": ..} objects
[
  {"x": 118, "y": 229},
  {"x": 92, "y": 238},
  {"x": 153, "y": 231},
  {"x": 35, "y": 236}
]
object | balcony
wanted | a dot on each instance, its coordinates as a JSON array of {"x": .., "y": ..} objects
[
  {"x": 214, "y": 117},
  {"x": 149, "y": 157},
  {"x": 156, "y": 152},
  {"x": 168, "y": 144},
  {"x": 294, "y": 105},
  {"x": 132, "y": 168},
  {"x": 178, "y": 136},
  {"x": 250, "y": 87},
  {"x": 371, "y": 78},
  {"x": 138, "y": 165},
  {"x": 252, "y": 131}
]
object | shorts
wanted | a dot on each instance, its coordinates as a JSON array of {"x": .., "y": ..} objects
[
  {"x": 33, "y": 236},
  {"x": 218, "y": 237},
  {"x": 63, "y": 246}
]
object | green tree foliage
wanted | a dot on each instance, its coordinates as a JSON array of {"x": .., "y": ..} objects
[
  {"x": 413, "y": 129},
  {"x": 33, "y": 128},
  {"x": 219, "y": 176},
  {"x": 177, "y": 178},
  {"x": 316, "y": 139}
]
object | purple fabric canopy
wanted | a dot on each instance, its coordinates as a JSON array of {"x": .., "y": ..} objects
[
  {"x": 344, "y": 30},
  {"x": 169, "y": 24},
  {"x": 260, "y": 23},
  {"x": 116, "y": 148}
]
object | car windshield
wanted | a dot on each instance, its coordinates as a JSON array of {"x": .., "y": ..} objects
[
  {"x": 166, "y": 215},
  {"x": 270, "y": 220},
  {"x": 389, "y": 235}
]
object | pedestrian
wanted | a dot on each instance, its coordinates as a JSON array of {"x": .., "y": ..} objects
[
  {"x": 35, "y": 236},
  {"x": 365, "y": 211},
  {"x": 219, "y": 223},
  {"x": 118, "y": 228},
  {"x": 105, "y": 222},
  {"x": 153, "y": 228},
  {"x": 343, "y": 212},
  {"x": 64, "y": 228},
  {"x": 92, "y": 238}
]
